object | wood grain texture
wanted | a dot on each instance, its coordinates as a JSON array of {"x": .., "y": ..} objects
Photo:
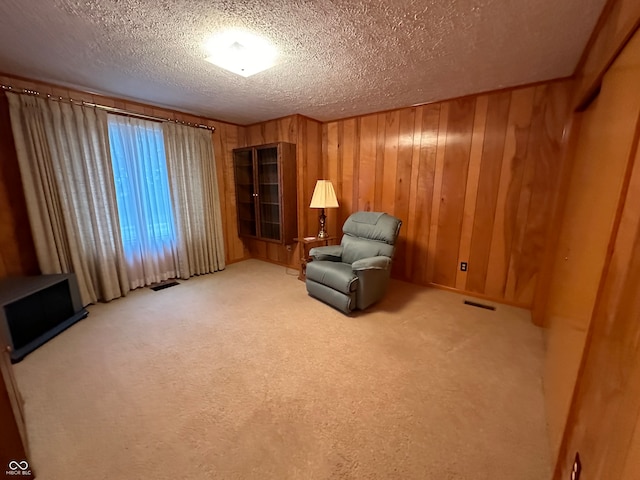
[
  {"x": 616, "y": 26},
  {"x": 454, "y": 180},
  {"x": 606, "y": 404},
  {"x": 307, "y": 135},
  {"x": 17, "y": 254},
  {"x": 516, "y": 164},
  {"x": 471, "y": 195},
  {"x": 592, "y": 364},
  {"x": 602, "y": 153},
  {"x": 462, "y": 175}
]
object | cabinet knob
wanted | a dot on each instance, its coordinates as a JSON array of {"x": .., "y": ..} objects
[{"x": 8, "y": 348}]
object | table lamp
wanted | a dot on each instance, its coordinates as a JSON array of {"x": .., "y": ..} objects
[{"x": 324, "y": 196}]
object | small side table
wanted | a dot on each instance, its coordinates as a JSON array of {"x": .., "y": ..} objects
[{"x": 306, "y": 244}]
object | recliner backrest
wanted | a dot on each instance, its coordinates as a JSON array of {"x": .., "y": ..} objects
[{"x": 369, "y": 234}]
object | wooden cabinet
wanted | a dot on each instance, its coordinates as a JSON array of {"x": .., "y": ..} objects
[{"x": 266, "y": 193}]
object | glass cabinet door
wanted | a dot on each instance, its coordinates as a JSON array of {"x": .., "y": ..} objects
[
  {"x": 268, "y": 192},
  {"x": 243, "y": 166}
]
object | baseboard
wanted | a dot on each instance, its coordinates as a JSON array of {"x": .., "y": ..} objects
[{"x": 489, "y": 298}]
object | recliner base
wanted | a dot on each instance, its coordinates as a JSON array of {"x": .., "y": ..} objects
[{"x": 343, "y": 302}]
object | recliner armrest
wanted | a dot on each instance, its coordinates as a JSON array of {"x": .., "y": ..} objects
[
  {"x": 330, "y": 253},
  {"x": 372, "y": 263}
]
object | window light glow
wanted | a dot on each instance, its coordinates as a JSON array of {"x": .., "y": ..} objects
[{"x": 242, "y": 53}]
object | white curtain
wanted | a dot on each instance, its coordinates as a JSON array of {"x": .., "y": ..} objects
[
  {"x": 144, "y": 203},
  {"x": 63, "y": 153},
  {"x": 194, "y": 190}
]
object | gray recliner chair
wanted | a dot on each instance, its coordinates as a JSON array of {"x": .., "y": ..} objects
[{"x": 355, "y": 274}]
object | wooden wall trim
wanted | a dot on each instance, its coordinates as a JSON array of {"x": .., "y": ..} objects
[
  {"x": 488, "y": 298},
  {"x": 619, "y": 21}
]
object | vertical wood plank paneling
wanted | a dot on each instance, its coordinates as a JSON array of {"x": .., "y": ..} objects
[
  {"x": 606, "y": 402},
  {"x": 348, "y": 150},
  {"x": 313, "y": 158},
  {"x": 471, "y": 194},
  {"x": 454, "y": 173},
  {"x": 387, "y": 185},
  {"x": 413, "y": 194},
  {"x": 367, "y": 162},
  {"x": 380, "y": 161},
  {"x": 437, "y": 188},
  {"x": 521, "y": 215},
  {"x": 403, "y": 178},
  {"x": 532, "y": 228},
  {"x": 605, "y": 147},
  {"x": 425, "y": 190},
  {"x": 232, "y": 137},
  {"x": 17, "y": 252},
  {"x": 305, "y": 174},
  {"x": 515, "y": 163},
  {"x": 498, "y": 117},
  {"x": 454, "y": 181},
  {"x": 332, "y": 167}
]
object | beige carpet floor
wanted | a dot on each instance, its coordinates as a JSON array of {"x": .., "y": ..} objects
[{"x": 242, "y": 375}]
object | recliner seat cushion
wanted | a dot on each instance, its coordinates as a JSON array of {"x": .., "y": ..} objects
[{"x": 337, "y": 275}]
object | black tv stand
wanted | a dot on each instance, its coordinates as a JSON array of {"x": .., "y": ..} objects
[{"x": 36, "y": 309}]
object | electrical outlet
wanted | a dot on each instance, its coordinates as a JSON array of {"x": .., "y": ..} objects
[
  {"x": 463, "y": 266},
  {"x": 577, "y": 468}
]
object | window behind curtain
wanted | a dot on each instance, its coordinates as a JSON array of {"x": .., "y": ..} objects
[{"x": 144, "y": 203}]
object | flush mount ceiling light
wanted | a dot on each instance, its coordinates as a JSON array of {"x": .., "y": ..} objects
[{"x": 242, "y": 53}]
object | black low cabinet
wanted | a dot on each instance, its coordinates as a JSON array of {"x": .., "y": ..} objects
[{"x": 36, "y": 309}]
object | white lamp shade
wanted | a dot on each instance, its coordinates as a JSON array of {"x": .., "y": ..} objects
[{"x": 324, "y": 196}]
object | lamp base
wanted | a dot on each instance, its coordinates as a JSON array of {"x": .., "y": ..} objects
[{"x": 323, "y": 219}]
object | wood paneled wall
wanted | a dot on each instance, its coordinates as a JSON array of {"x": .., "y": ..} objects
[
  {"x": 17, "y": 253},
  {"x": 306, "y": 134},
  {"x": 472, "y": 179},
  {"x": 606, "y": 404},
  {"x": 617, "y": 24},
  {"x": 602, "y": 155},
  {"x": 593, "y": 364}
]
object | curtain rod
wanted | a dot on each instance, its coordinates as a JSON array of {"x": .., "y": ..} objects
[{"x": 119, "y": 111}]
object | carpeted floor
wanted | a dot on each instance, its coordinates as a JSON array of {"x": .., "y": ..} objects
[{"x": 241, "y": 375}]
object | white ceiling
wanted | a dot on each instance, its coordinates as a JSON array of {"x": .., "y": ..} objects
[{"x": 338, "y": 58}]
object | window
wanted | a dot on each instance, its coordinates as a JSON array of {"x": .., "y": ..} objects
[{"x": 142, "y": 187}]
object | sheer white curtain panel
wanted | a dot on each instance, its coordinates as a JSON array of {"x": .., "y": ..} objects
[{"x": 144, "y": 202}]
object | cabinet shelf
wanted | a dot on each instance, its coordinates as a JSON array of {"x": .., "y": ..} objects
[{"x": 273, "y": 170}]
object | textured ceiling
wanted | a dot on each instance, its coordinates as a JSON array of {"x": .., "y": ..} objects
[{"x": 338, "y": 58}]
